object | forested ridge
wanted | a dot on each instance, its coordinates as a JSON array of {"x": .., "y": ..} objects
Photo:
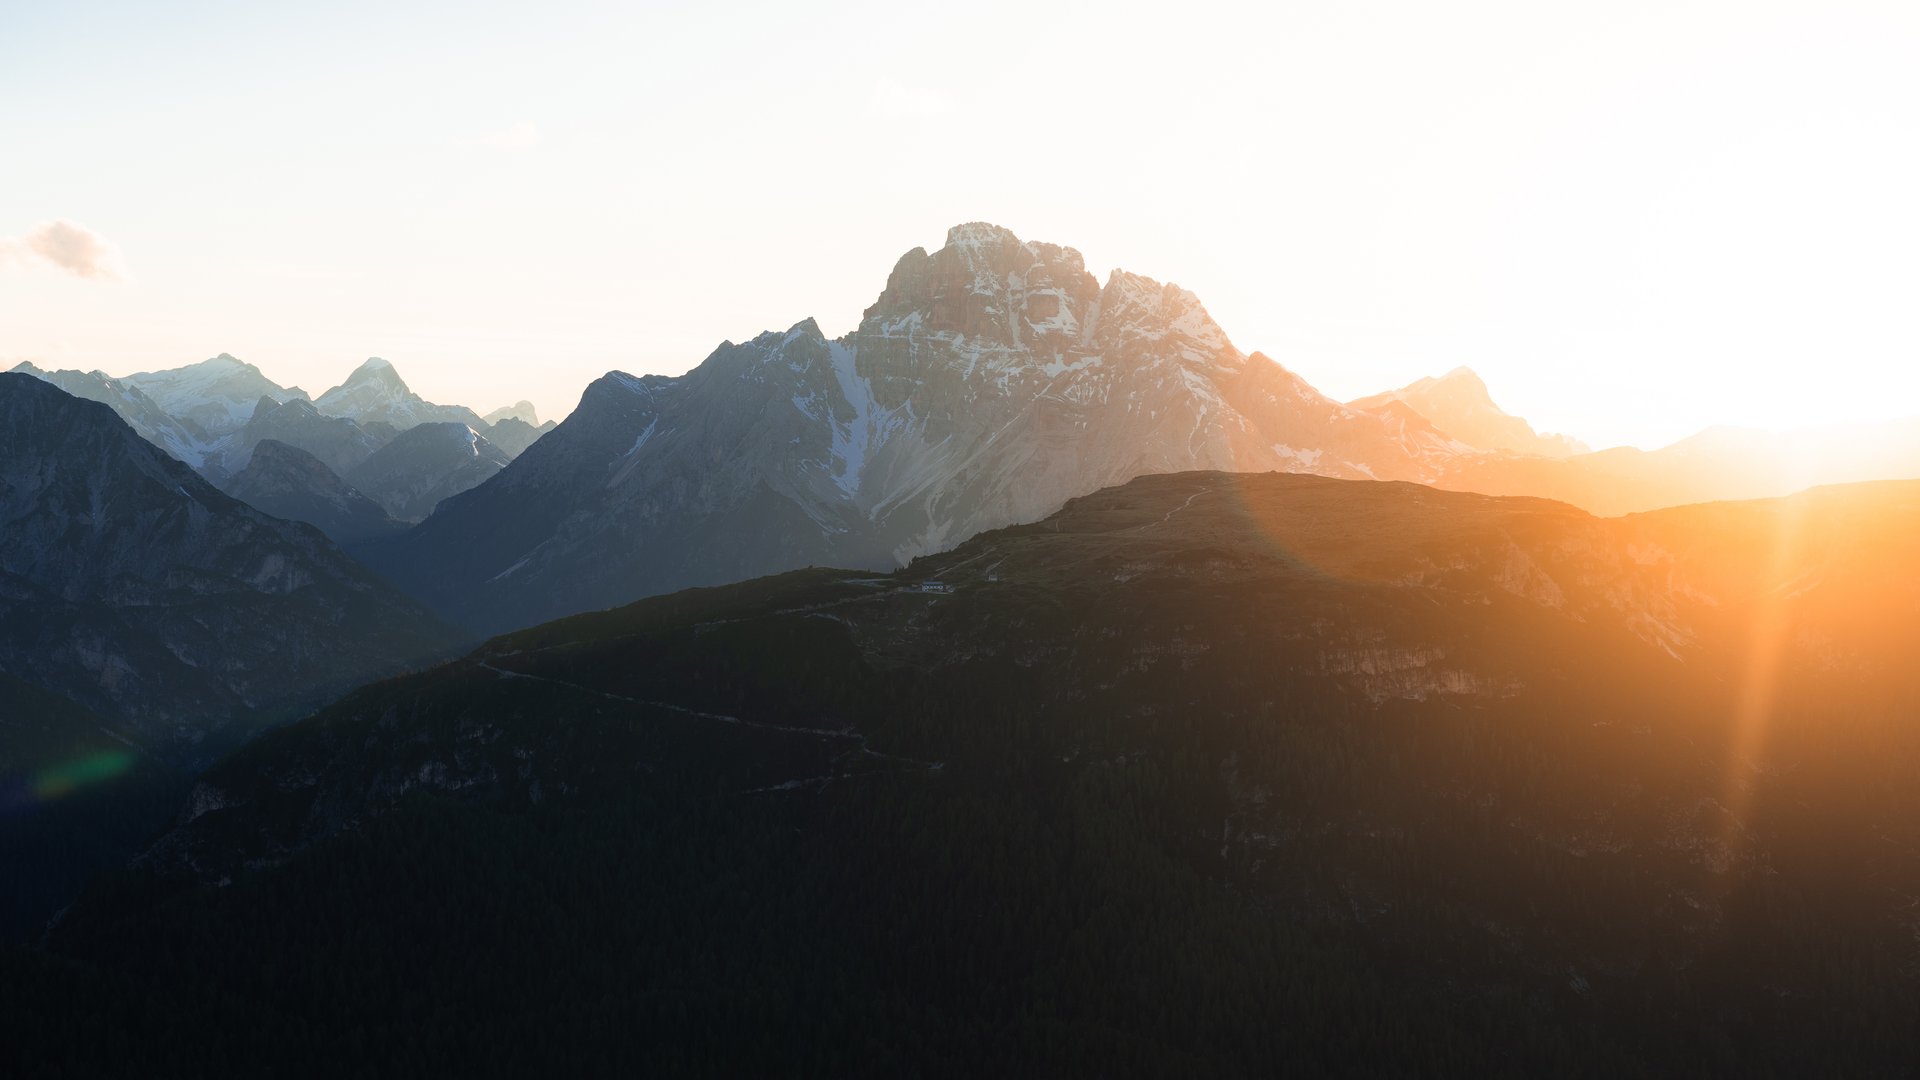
[{"x": 1132, "y": 800}]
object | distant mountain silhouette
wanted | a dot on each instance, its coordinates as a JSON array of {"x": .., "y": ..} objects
[{"x": 1458, "y": 403}]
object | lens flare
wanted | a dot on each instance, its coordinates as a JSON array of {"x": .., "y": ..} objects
[
  {"x": 1770, "y": 633},
  {"x": 57, "y": 782},
  {"x": 64, "y": 779}
]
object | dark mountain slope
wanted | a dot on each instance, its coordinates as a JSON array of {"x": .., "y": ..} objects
[
  {"x": 337, "y": 442},
  {"x": 425, "y": 464},
  {"x": 132, "y": 586},
  {"x": 181, "y": 438},
  {"x": 513, "y": 435},
  {"x": 76, "y": 800},
  {"x": 290, "y": 483},
  {"x": 1205, "y": 773}
]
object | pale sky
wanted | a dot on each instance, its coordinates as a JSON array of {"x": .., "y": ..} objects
[{"x": 1634, "y": 220}]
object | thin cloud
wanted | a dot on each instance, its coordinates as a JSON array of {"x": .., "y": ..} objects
[{"x": 68, "y": 246}]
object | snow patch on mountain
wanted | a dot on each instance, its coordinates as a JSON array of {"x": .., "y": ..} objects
[
  {"x": 218, "y": 395},
  {"x": 869, "y": 426}
]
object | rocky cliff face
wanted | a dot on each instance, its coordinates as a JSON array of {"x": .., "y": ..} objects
[
  {"x": 290, "y": 483},
  {"x": 336, "y": 441},
  {"x": 133, "y": 587},
  {"x": 376, "y": 393},
  {"x": 217, "y": 395},
  {"x": 425, "y": 464},
  {"x": 992, "y": 380}
]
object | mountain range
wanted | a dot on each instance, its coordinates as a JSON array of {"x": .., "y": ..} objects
[
  {"x": 991, "y": 381},
  {"x": 141, "y": 592},
  {"x": 202, "y": 415}
]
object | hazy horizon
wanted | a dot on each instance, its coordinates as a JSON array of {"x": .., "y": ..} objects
[{"x": 1635, "y": 223}]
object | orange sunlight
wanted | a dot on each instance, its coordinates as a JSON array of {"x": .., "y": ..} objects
[{"x": 1768, "y": 637}]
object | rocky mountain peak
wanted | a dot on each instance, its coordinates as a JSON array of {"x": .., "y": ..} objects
[
  {"x": 374, "y": 392},
  {"x": 1134, "y": 307},
  {"x": 217, "y": 395},
  {"x": 376, "y": 370},
  {"x": 991, "y": 380},
  {"x": 985, "y": 284},
  {"x": 980, "y": 234}
]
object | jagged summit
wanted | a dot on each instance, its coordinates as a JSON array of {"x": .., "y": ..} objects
[
  {"x": 979, "y": 233},
  {"x": 990, "y": 381},
  {"x": 226, "y": 361},
  {"x": 985, "y": 283},
  {"x": 374, "y": 369}
]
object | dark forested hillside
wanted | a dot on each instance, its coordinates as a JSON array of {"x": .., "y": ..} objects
[
  {"x": 76, "y": 799},
  {"x": 148, "y": 623},
  {"x": 1205, "y": 774},
  {"x": 135, "y": 588}
]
